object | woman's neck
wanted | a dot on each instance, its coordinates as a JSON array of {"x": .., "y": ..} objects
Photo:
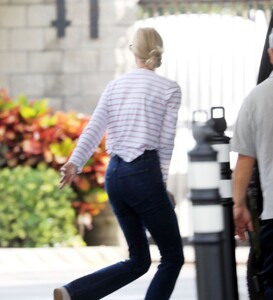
[{"x": 141, "y": 65}]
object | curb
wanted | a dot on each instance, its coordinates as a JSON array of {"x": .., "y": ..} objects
[{"x": 50, "y": 259}]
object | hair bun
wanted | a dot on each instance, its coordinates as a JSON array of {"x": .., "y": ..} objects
[
  {"x": 157, "y": 51},
  {"x": 155, "y": 55}
]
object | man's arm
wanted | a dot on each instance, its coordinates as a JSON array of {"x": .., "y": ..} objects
[{"x": 242, "y": 175}]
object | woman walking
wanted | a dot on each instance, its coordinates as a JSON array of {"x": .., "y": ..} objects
[{"x": 139, "y": 111}]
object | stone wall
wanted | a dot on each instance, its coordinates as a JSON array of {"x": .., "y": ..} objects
[{"x": 71, "y": 71}]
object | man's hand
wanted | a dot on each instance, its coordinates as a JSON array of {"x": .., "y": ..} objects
[
  {"x": 68, "y": 174},
  {"x": 241, "y": 214},
  {"x": 242, "y": 221},
  {"x": 172, "y": 199}
]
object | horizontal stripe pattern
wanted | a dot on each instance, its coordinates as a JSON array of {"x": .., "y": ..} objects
[{"x": 139, "y": 112}]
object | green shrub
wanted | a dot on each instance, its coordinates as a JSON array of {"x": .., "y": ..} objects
[
  {"x": 34, "y": 212},
  {"x": 31, "y": 132}
]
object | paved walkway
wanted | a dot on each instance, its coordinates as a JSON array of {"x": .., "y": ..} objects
[
  {"x": 31, "y": 274},
  {"x": 26, "y": 259}
]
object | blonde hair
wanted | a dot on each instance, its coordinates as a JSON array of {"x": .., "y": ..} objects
[{"x": 148, "y": 47}]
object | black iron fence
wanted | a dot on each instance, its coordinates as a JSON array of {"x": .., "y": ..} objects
[{"x": 242, "y": 7}]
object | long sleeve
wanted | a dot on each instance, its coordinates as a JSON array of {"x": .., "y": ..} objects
[
  {"x": 169, "y": 130},
  {"x": 92, "y": 134}
]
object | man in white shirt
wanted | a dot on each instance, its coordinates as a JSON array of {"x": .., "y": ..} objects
[{"x": 253, "y": 140}]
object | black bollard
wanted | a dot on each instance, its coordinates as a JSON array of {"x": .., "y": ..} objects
[
  {"x": 208, "y": 220},
  {"x": 221, "y": 143}
]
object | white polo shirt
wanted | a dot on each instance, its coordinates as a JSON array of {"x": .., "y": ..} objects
[{"x": 253, "y": 136}]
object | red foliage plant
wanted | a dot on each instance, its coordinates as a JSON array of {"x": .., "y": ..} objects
[{"x": 32, "y": 133}]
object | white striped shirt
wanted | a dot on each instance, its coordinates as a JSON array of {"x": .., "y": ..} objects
[{"x": 139, "y": 111}]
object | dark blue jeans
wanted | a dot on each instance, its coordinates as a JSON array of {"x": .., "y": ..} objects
[
  {"x": 139, "y": 200},
  {"x": 266, "y": 242}
]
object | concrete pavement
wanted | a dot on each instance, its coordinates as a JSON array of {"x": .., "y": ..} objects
[
  {"x": 31, "y": 274},
  {"x": 26, "y": 259}
]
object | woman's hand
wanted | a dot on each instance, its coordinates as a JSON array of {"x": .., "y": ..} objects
[{"x": 68, "y": 174}]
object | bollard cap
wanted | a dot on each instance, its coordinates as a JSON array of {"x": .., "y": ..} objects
[
  {"x": 219, "y": 124},
  {"x": 202, "y": 152},
  {"x": 202, "y": 132}
]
